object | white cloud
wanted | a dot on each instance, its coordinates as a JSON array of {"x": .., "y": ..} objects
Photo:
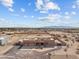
[
  {"x": 25, "y": 16},
  {"x": 8, "y": 4},
  {"x": 52, "y": 6},
  {"x": 43, "y": 11},
  {"x": 10, "y": 23},
  {"x": 51, "y": 18},
  {"x": 59, "y": 20},
  {"x": 66, "y": 13},
  {"x": 11, "y": 10},
  {"x": 73, "y": 6},
  {"x": 39, "y": 4},
  {"x": 22, "y": 9},
  {"x": 54, "y": 17},
  {"x": 67, "y": 17},
  {"x": 73, "y": 13},
  {"x": 32, "y": 16},
  {"x": 46, "y": 5},
  {"x": 76, "y": 4}
]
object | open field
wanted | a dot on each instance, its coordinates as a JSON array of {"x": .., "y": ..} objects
[{"x": 40, "y": 43}]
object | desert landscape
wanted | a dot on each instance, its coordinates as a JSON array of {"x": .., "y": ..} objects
[
  {"x": 39, "y": 29},
  {"x": 39, "y": 43}
]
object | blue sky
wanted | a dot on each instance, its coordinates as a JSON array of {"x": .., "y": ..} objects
[{"x": 39, "y": 13}]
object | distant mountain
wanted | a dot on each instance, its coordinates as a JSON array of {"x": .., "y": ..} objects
[
  {"x": 41, "y": 27},
  {"x": 59, "y": 27}
]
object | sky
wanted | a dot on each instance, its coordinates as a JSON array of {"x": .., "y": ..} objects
[{"x": 39, "y": 13}]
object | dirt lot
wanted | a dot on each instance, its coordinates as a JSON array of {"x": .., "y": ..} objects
[{"x": 66, "y": 52}]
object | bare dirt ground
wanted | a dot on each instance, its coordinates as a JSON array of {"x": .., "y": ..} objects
[{"x": 66, "y": 52}]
